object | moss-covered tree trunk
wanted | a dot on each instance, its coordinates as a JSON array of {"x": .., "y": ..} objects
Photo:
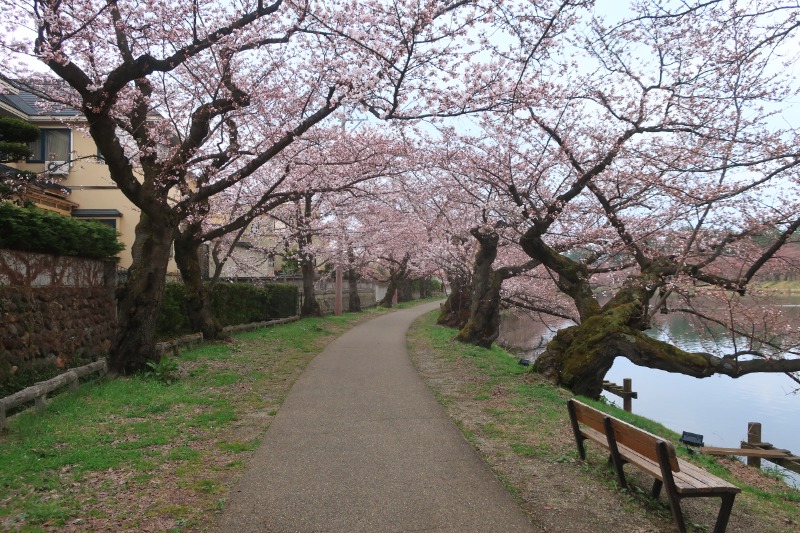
[
  {"x": 139, "y": 300},
  {"x": 454, "y": 312},
  {"x": 580, "y": 356},
  {"x": 198, "y": 299},
  {"x": 483, "y": 326}
]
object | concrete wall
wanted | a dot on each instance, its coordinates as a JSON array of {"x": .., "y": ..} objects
[
  {"x": 327, "y": 299},
  {"x": 55, "y": 313}
]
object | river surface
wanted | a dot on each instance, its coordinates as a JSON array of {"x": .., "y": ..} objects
[{"x": 718, "y": 407}]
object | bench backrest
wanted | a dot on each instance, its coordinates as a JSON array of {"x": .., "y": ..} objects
[
  {"x": 643, "y": 442},
  {"x": 625, "y": 434},
  {"x": 588, "y": 415}
]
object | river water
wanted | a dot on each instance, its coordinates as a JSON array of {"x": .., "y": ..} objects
[{"x": 718, "y": 407}]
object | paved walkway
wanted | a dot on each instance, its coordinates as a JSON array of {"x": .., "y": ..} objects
[{"x": 360, "y": 445}]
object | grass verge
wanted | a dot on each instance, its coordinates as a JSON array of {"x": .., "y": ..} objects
[
  {"x": 519, "y": 424},
  {"x": 149, "y": 453}
]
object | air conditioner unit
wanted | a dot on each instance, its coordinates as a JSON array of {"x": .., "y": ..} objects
[{"x": 57, "y": 168}]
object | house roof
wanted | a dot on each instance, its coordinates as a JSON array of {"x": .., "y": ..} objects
[
  {"x": 96, "y": 213},
  {"x": 22, "y": 99},
  {"x": 6, "y": 170},
  {"x": 32, "y": 106}
]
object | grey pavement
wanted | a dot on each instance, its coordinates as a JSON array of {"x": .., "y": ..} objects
[{"x": 360, "y": 445}]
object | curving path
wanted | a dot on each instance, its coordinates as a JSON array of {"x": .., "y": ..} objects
[{"x": 360, "y": 445}]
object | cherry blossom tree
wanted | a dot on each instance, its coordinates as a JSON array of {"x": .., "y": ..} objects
[
  {"x": 186, "y": 100},
  {"x": 656, "y": 163},
  {"x": 476, "y": 210}
]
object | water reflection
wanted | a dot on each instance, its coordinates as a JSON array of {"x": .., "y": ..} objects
[{"x": 718, "y": 407}]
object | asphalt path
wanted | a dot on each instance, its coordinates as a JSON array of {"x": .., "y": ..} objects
[{"x": 361, "y": 445}]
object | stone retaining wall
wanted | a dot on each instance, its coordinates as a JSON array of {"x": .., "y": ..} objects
[{"x": 55, "y": 313}]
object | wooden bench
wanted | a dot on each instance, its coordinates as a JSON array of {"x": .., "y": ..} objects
[{"x": 654, "y": 456}]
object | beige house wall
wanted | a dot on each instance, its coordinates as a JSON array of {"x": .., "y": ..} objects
[{"x": 91, "y": 185}]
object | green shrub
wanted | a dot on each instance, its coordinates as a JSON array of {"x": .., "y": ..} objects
[
  {"x": 15, "y": 134},
  {"x": 238, "y": 303},
  {"x": 31, "y": 229},
  {"x": 231, "y": 304},
  {"x": 281, "y": 300},
  {"x": 173, "y": 319}
]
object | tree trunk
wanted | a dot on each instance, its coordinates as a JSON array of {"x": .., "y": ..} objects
[
  {"x": 579, "y": 356},
  {"x": 426, "y": 287},
  {"x": 389, "y": 296},
  {"x": 198, "y": 299},
  {"x": 454, "y": 312},
  {"x": 483, "y": 326},
  {"x": 310, "y": 305},
  {"x": 308, "y": 268},
  {"x": 405, "y": 292},
  {"x": 354, "y": 300},
  {"x": 396, "y": 276},
  {"x": 140, "y": 298}
]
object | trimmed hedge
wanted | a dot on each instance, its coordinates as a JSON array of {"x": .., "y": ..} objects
[
  {"x": 31, "y": 229},
  {"x": 15, "y": 134},
  {"x": 231, "y": 304}
]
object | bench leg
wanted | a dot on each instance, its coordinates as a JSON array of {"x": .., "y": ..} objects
[
  {"x": 579, "y": 438},
  {"x": 657, "y": 484},
  {"x": 724, "y": 513},
  {"x": 675, "y": 507}
]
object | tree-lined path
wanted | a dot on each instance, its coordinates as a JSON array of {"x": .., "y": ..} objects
[{"x": 360, "y": 444}]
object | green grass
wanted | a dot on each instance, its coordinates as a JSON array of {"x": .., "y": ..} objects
[{"x": 140, "y": 438}]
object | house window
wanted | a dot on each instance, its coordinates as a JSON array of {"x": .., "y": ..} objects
[
  {"x": 108, "y": 217},
  {"x": 52, "y": 145},
  {"x": 108, "y": 222}
]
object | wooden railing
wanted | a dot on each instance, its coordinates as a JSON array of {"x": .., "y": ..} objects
[
  {"x": 625, "y": 392},
  {"x": 755, "y": 450},
  {"x": 39, "y": 391}
]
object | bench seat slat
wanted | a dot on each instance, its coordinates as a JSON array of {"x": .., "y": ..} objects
[
  {"x": 689, "y": 479},
  {"x": 701, "y": 481}
]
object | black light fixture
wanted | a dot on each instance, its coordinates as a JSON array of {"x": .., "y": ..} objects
[{"x": 691, "y": 439}]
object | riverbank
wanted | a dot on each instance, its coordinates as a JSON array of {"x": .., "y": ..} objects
[
  {"x": 520, "y": 425},
  {"x": 781, "y": 287}
]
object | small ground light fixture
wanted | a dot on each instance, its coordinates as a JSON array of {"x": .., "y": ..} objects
[{"x": 691, "y": 439}]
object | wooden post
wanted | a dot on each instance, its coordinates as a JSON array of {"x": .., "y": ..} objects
[
  {"x": 41, "y": 403},
  {"x": 754, "y": 437},
  {"x": 2, "y": 417},
  {"x": 627, "y": 400}
]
